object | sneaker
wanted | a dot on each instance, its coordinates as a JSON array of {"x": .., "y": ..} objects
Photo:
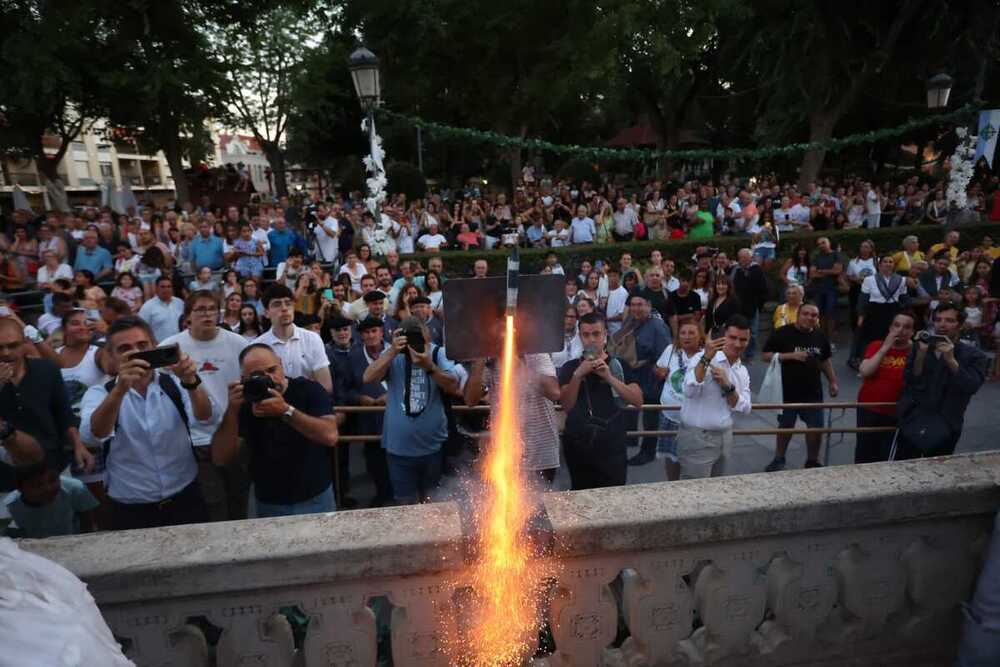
[
  {"x": 642, "y": 458},
  {"x": 777, "y": 464},
  {"x": 813, "y": 464}
]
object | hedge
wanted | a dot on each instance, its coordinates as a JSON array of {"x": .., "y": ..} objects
[{"x": 887, "y": 239}]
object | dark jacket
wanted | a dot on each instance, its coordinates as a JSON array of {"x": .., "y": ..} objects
[
  {"x": 750, "y": 286},
  {"x": 938, "y": 389},
  {"x": 928, "y": 281},
  {"x": 367, "y": 423}
]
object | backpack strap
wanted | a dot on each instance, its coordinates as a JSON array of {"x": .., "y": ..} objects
[{"x": 173, "y": 392}]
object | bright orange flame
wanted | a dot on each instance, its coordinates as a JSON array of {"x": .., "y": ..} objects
[{"x": 504, "y": 628}]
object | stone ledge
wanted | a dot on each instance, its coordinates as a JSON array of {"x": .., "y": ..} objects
[{"x": 202, "y": 559}]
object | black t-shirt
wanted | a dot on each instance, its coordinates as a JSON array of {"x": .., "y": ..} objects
[
  {"x": 40, "y": 407},
  {"x": 286, "y": 467},
  {"x": 684, "y": 305},
  {"x": 657, "y": 299},
  {"x": 602, "y": 404},
  {"x": 801, "y": 379}
]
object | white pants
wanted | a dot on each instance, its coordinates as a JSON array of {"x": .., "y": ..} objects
[{"x": 703, "y": 453}]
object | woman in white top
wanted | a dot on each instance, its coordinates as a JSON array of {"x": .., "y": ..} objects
[
  {"x": 354, "y": 269},
  {"x": 52, "y": 270},
  {"x": 859, "y": 268},
  {"x": 80, "y": 365},
  {"x": 432, "y": 285},
  {"x": 671, "y": 367},
  {"x": 701, "y": 285}
]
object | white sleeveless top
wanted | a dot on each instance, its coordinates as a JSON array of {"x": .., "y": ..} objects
[{"x": 87, "y": 371}]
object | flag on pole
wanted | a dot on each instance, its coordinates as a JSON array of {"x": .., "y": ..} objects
[{"x": 989, "y": 126}]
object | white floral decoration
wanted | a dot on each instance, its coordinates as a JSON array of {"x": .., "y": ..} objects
[
  {"x": 962, "y": 168},
  {"x": 373, "y": 162}
]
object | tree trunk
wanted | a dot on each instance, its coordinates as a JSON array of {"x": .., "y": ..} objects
[
  {"x": 48, "y": 169},
  {"x": 514, "y": 159},
  {"x": 821, "y": 124},
  {"x": 276, "y": 158},
  {"x": 172, "y": 151}
]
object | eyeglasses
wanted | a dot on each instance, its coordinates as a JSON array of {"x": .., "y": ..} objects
[{"x": 203, "y": 311}]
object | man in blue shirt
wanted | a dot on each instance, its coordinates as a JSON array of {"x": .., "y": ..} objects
[
  {"x": 651, "y": 338},
  {"x": 415, "y": 425},
  {"x": 282, "y": 239},
  {"x": 93, "y": 258},
  {"x": 206, "y": 249}
]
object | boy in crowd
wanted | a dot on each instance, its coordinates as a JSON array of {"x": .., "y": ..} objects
[{"x": 46, "y": 504}]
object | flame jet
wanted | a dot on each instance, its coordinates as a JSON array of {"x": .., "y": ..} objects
[{"x": 513, "y": 279}]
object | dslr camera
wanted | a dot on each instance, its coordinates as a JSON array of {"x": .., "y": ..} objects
[{"x": 256, "y": 387}]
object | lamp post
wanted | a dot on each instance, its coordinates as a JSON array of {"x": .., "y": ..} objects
[
  {"x": 938, "y": 91},
  {"x": 368, "y": 86}
]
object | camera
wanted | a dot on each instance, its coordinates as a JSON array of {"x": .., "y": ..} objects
[
  {"x": 256, "y": 387},
  {"x": 414, "y": 334},
  {"x": 929, "y": 338}
]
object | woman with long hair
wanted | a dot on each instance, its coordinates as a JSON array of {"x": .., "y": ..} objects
[
  {"x": 795, "y": 270},
  {"x": 722, "y": 305},
  {"x": 231, "y": 311},
  {"x": 402, "y": 309},
  {"x": 230, "y": 283},
  {"x": 432, "y": 283},
  {"x": 306, "y": 294},
  {"x": 88, "y": 295},
  {"x": 150, "y": 267},
  {"x": 702, "y": 286},
  {"x": 249, "y": 326}
]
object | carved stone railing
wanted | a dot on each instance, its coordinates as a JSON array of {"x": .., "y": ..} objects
[{"x": 850, "y": 565}]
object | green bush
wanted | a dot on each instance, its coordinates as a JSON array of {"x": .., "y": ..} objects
[
  {"x": 886, "y": 239},
  {"x": 406, "y": 178}
]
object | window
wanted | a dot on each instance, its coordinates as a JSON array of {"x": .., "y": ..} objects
[
  {"x": 83, "y": 174},
  {"x": 107, "y": 171},
  {"x": 78, "y": 146}
]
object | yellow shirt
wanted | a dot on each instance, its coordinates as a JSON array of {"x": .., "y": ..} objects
[
  {"x": 904, "y": 260},
  {"x": 785, "y": 314},
  {"x": 992, "y": 253},
  {"x": 938, "y": 247}
]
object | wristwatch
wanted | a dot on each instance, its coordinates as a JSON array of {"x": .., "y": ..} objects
[
  {"x": 193, "y": 385},
  {"x": 705, "y": 361},
  {"x": 287, "y": 415}
]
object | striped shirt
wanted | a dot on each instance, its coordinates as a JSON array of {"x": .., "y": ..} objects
[{"x": 536, "y": 413}]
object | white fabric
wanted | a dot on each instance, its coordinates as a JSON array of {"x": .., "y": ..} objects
[
  {"x": 45, "y": 276},
  {"x": 218, "y": 365},
  {"x": 301, "y": 355},
  {"x": 616, "y": 306},
  {"x": 48, "y": 323},
  {"x": 431, "y": 241},
  {"x": 704, "y": 406},
  {"x": 536, "y": 413},
  {"x": 572, "y": 348},
  {"x": 86, "y": 372},
  {"x": 771, "y": 389},
  {"x": 676, "y": 361},
  {"x": 870, "y": 287},
  {"x": 356, "y": 274},
  {"x": 47, "y": 616},
  {"x": 150, "y": 455}
]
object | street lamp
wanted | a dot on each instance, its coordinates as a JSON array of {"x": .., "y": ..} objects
[
  {"x": 364, "y": 71},
  {"x": 938, "y": 90}
]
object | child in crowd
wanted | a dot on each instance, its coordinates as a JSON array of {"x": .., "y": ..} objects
[
  {"x": 128, "y": 291},
  {"x": 46, "y": 504}
]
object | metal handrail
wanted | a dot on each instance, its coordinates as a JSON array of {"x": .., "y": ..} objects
[{"x": 649, "y": 406}]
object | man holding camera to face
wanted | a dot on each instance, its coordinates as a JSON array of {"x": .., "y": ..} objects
[
  {"x": 143, "y": 418},
  {"x": 593, "y": 393},
  {"x": 289, "y": 427},
  {"x": 417, "y": 374},
  {"x": 941, "y": 375}
]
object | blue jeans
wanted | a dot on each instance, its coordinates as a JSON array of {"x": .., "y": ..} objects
[
  {"x": 980, "y": 644},
  {"x": 322, "y": 502},
  {"x": 413, "y": 477}
]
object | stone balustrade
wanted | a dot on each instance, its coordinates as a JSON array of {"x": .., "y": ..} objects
[{"x": 851, "y": 565}]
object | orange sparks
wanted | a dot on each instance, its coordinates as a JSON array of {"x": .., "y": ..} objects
[{"x": 504, "y": 626}]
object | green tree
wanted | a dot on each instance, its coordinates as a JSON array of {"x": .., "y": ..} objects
[
  {"x": 48, "y": 57},
  {"x": 262, "y": 56},
  {"x": 167, "y": 84}
]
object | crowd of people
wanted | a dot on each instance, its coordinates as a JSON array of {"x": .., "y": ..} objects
[{"x": 170, "y": 379}]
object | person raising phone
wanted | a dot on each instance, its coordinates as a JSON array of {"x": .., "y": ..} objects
[{"x": 143, "y": 418}]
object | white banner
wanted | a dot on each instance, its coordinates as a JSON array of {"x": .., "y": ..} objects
[{"x": 989, "y": 126}]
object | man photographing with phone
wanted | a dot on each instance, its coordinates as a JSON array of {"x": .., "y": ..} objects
[
  {"x": 143, "y": 419},
  {"x": 941, "y": 375},
  {"x": 289, "y": 427}
]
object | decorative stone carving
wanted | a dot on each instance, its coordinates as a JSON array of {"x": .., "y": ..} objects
[{"x": 584, "y": 613}]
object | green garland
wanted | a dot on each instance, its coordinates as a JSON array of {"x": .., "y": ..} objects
[{"x": 597, "y": 153}]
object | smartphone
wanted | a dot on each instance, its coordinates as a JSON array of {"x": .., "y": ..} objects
[
  {"x": 328, "y": 294},
  {"x": 159, "y": 357}
]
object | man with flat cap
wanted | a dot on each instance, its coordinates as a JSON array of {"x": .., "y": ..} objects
[
  {"x": 375, "y": 301},
  {"x": 371, "y": 347},
  {"x": 420, "y": 308},
  {"x": 338, "y": 352}
]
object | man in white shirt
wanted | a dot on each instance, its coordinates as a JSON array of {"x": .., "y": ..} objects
[
  {"x": 800, "y": 216},
  {"x": 215, "y": 352},
  {"x": 625, "y": 220},
  {"x": 716, "y": 385},
  {"x": 301, "y": 351},
  {"x": 432, "y": 241},
  {"x": 617, "y": 298},
  {"x": 327, "y": 231},
  {"x": 143, "y": 417},
  {"x": 260, "y": 229},
  {"x": 670, "y": 281},
  {"x": 582, "y": 228},
  {"x": 873, "y": 208},
  {"x": 164, "y": 311}
]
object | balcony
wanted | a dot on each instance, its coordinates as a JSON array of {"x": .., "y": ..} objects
[{"x": 849, "y": 565}]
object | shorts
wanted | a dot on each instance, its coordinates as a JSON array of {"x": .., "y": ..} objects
[
  {"x": 813, "y": 417},
  {"x": 666, "y": 445}
]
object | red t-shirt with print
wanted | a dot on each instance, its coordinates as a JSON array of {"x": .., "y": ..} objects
[{"x": 887, "y": 383}]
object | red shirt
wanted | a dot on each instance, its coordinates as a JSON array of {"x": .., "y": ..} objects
[{"x": 887, "y": 383}]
